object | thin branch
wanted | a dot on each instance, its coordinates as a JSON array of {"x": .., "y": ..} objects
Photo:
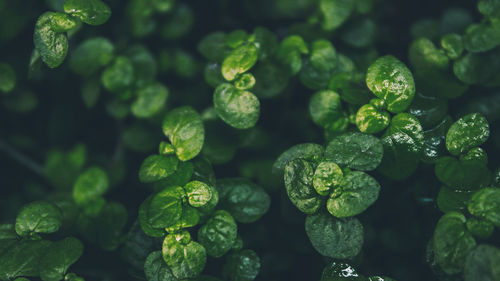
[{"x": 21, "y": 158}]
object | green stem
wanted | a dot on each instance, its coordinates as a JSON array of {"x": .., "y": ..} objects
[{"x": 21, "y": 158}]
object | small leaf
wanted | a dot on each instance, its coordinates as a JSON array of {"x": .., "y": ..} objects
[
  {"x": 370, "y": 120},
  {"x": 52, "y": 45},
  {"x": 327, "y": 176},
  {"x": 90, "y": 185},
  {"x": 299, "y": 175},
  {"x": 338, "y": 271},
  {"x": 22, "y": 259},
  {"x": 218, "y": 234},
  {"x": 467, "y": 132},
  {"x": 356, "y": 151},
  {"x": 184, "y": 128},
  {"x": 199, "y": 193},
  {"x": 325, "y": 107},
  {"x": 7, "y": 78},
  {"x": 239, "y": 61},
  {"x": 485, "y": 204},
  {"x": 246, "y": 201},
  {"x": 166, "y": 207},
  {"x": 335, "y": 238},
  {"x": 464, "y": 175},
  {"x": 91, "y": 55},
  {"x": 185, "y": 257},
  {"x": 59, "y": 257},
  {"x": 356, "y": 193},
  {"x": 156, "y": 269},
  {"x": 93, "y": 12},
  {"x": 335, "y": 12},
  {"x": 119, "y": 75},
  {"x": 403, "y": 142},
  {"x": 143, "y": 218},
  {"x": 389, "y": 79},
  {"x": 308, "y": 151},
  {"x": 150, "y": 100},
  {"x": 38, "y": 217},
  {"x": 452, "y": 242},
  {"x": 482, "y": 264},
  {"x": 243, "y": 265},
  {"x": 240, "y": 109}
]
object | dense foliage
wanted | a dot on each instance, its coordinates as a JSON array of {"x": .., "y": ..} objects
[{"x": 169, "y": 140}]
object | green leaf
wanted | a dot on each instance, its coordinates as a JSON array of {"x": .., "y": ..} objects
[
  {"x": 90, "y": 185},
  {"x": 403, "y": 142},
  {"x": 243, "y": 265},
  {"x": 389, "y": 79},
  {"x": 38, "y": 217},
  {"x": 325, "y": 107},
  {"x": 481, "y": 229},
  {"x": 327, "y": 176},
  {"x": 356, "y": 193},
  {"x": 485, "y": 204},
  {"x": 335, "y": 12},
  {"x": 239, "y": 61},
  {"x": 49, "y": 41},
  {"x": 245, "y": 82},
  {"x": 93, "y": 12},
  {"x": 59, "y": 257},
  {"x": 299, "y": 174},
  {"x": 91, "y": 55},
  {"x": 180, "y": 177},
  {"x": 452, "y": 242},
  {"x": 118, "y": 76},
  {"x": 475, "y": 154},
  {"x": 338, "y": 271},
  {"x": 453, "y": 45},
  {"x": 213, "y": 46},
  {"x": 239, "y": 109},
  {"x": 430, "y": 111},
  {"x": 270, "y": 79},
  {"x": 166, "y": 207},
  {"x": 266, "y": 42},
  {"x": 435, "y": 141},
  {"x": 246, "y": 201},
  {"x": 7, "y": 78},
  {"x": 144, "y": 219},
  {"x": 198, "y": 193},
  {"x": 463, "y": 175},
  {"x": 22, "y": 259},
  {"x": 335, "y": 238},
  {"x": 482, "y": 264},
  {"x": 370, "y": 120},
  {"x": 452, "y": 200},
  {"x": 184, "y": 128},
  {"x": 150, "y": 100},
  {"x": 467, "y": 132},
  {"x": 323, "y": 56},
  {"x": 185, "y": 257},
  {"x": 189, "y": 218},
  {"x": 480, "y": 38},
  {"x": 156, "y": 269},
  {"x": 308, "y": 151},
  {"x": 218, "y": 234},
  {"x": 290, "y": 53},
  {"x": 356, "y": 151}
]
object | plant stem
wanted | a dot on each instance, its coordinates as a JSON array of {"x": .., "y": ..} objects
[{"x": 21, "y": 158}]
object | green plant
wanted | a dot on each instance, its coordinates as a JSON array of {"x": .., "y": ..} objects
[{"x": 249, "y": 140}]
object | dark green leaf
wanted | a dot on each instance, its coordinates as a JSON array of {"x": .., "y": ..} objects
[
  {"x": 218, "y": 234},
  {"x": 38, "y": 217},
  {"x": 309, "y": 151},
  {"x": 59, "y": 257},
  {"x": 356, "y": 151},
  {"x": 243, "y": 265},
  {"x": 91, "y": 55},
  {"x": 467, "y": 132},
  {"x": 150, "y": 100},
  {"x": 93, "y": 12},
  {"x": 482, "y": 264},
  {"x": 90, "y": 185},
  {"x": 332, "y": 237},
  {"x": 166, "y": 207},
  {"x": 156, "y": 269},
  {"x": 240, "y": 109},
  {"x": 485, "y": 204},
  {"x": 299, "y": 175}
]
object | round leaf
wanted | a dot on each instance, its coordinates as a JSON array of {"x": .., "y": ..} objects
[
  {"x": 38, "y": 217},
  {"x": 59, "y": 257},
  {"x": 91, "y": 55},
  {"x": 327, "y": 176},
  {"x": 486, "y": 204},
  {"x": 184, "y": 128},
  {"x": 185, "y": 257},
  {"x": 482, "y": 264},
  {"x": 156, "y": 269},
  {"x": 218, "y": 234},
  {"x": 389, "y": 79},
  {"x": 166, "y": 207},
  {"x": 90, "y": 185},
  {"x": 240, "y": 109},
  {"x": 239, "y": 61},
  {"x": 467, "y": 132},
  {"x": 356, "y": 151},
  {"x": 93, "y": 12},
  {"x": 325, "y": 107},
  {"x": 299, "y": 175},
  {"x": 309, "y": 151},
  {"x": 243, "y": 265},
  {"x": 335, "y": 238},
  {"x": 199, "y": 193},
  {"x": 370, "y": 120},
  {"x": 356, "y": 193},
  {"x": 150, "y": 100}
]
